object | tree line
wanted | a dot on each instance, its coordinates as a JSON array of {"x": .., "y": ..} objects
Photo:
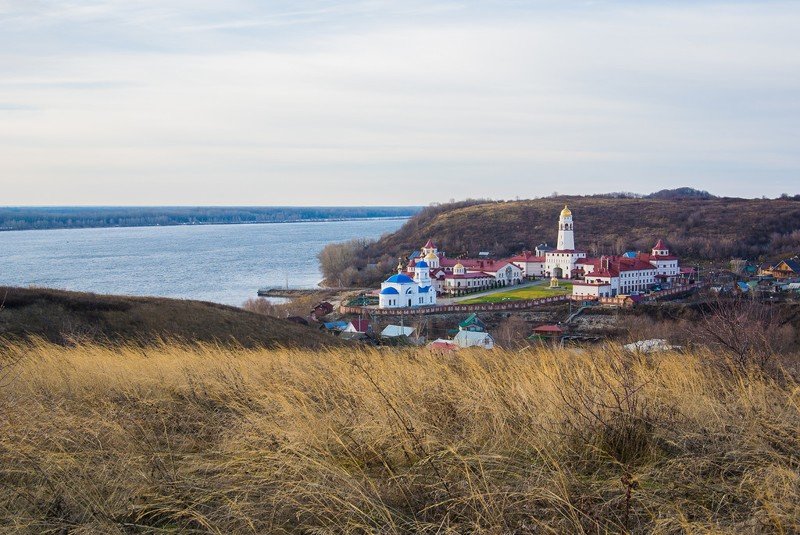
[{"x": 35, "y": 218}]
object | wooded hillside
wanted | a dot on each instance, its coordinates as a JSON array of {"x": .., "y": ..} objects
[
  {"x": 696, "y": 225},
  {"x": 695, "y": 228}
]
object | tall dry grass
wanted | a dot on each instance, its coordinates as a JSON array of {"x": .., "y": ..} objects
[{"x": 202, "y": 439}]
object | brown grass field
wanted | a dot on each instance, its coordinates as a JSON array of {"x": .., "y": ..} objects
[{"x": 210, "y": 439}]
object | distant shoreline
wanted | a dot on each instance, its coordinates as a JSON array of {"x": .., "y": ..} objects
[
  {"x": 215, "y": 224},
  {"x": 22, "y": 219}
]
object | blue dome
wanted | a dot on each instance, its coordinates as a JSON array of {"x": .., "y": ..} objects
[
  {"x": 422, "y": 263},
  {"x": 400, "y": 279},
  {"x": 389, "y": 291},
  {"x": 424, "y": 289}
]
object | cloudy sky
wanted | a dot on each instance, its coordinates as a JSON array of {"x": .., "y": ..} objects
[{"x": 408, "y": 102}]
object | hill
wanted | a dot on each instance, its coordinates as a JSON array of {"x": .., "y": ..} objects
[
  {"x": 66, "y": 317},
  {"x": 175, "y": 439},
  {"x": 695, "y": 227}
]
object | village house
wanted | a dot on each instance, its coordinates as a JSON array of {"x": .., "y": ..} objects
[{"x": 788, "y": 268}]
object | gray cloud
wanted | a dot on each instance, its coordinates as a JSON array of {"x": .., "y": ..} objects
[{"x": 364, "y": 102}]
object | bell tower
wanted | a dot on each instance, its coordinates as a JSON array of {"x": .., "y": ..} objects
[{"x": 566, "y": 238}]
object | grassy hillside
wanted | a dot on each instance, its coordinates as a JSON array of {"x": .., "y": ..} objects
[
  {"x": 209, "y": 440},
  {"x": 60, "y": 317},
  {"x": 698, "y": 228}
]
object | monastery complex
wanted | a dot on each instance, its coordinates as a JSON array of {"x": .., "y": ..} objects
[{"x": 430, "y": 273}]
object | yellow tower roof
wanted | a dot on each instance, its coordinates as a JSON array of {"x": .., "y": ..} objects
[
  {"x": 566, "y": 212},
  {"x": 458, "y": 266},
  {"x": 431, "y": 256}
]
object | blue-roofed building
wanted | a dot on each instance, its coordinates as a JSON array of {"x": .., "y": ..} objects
[{"x": 402, "y": 291}]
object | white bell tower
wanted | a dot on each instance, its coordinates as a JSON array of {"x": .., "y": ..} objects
[{"x": 566, "y": 238}]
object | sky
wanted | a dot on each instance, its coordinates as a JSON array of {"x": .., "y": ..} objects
[{"x": 371, "y": 102}]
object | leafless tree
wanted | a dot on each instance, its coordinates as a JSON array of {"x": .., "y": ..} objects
[{"x": 749, "y": 331}]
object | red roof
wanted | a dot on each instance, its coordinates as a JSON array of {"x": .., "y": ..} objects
[
  {"x": 548, "y": 329},
  {"x": 660, "y": 244},
  {"x": 611, "y": 266},
  {"x": 527, "y": 256},
  {"x": 429, "y": 245},
  {"x": 360, "y": 324}
]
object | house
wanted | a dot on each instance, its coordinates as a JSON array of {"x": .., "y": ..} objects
[
  {"x": 456, "y": 276},
  {"x": 337, "y": 326},
  {"x": 358, "y": 325},
  {"x": 393, "y": 331},
  {"x": 532, "y": 265},
  {"x": 466, "y": 339},
  {"x": 321, "y": 310},
  {"x": 788, "y": 268},
  {"x": 544, "y": 332},
  {"x": 472, "y": 323}
]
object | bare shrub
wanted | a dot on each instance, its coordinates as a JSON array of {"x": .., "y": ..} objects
[
  {"x": 298, "y": 306},
  {"x": 748, "y": 331}
]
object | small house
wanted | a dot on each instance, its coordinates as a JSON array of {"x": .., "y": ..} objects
[
  {"x": 466, "y": 339},
  {"x": 547, "y": 332},
  {"x": 393, "y": 331},
  {"x": 472, "y": 323},
  {"x": 321, "y": 310},
  {"x": 335, "y": 326},
  {"x": 359, "y": 325}
]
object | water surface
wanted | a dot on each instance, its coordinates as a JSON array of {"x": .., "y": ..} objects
[{"x": 220, "y": 263}]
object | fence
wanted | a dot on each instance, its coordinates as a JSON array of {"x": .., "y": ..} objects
[
  {"x": 510, "y": 305},
  {"x": 445, "y": 309}
]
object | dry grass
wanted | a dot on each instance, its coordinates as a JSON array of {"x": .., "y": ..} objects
[{"x": 205, "y": 439}]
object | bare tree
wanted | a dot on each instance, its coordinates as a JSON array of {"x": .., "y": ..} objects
[{"x": 749, "y": 331}]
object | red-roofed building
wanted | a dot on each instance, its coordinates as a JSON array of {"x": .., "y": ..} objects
[{"x": 607, "y": 276}]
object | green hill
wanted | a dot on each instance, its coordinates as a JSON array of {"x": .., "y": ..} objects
[{"x": 66, "y": 317}]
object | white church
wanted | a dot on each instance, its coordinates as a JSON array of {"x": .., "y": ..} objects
[
  {"x": 430, "y": 272},
  {"x": 400, "y": 291}
]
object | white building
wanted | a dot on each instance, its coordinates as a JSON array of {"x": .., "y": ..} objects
[
  {"x": 562, "y": 261},
  {"x": 401, "y": 291},
  {"x": 466, "y": 339}
]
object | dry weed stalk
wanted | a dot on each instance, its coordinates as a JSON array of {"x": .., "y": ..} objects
[{"x": 204, "y": 439}]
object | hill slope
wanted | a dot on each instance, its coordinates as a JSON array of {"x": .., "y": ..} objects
[
  {"x": 60, "y": 317},
  {"x": 697, "y": 228}
]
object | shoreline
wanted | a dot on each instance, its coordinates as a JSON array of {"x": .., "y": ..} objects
[{"x": 201, "y": 224}]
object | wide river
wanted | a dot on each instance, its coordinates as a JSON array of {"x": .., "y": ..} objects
[{"x": 220, "y": 263}]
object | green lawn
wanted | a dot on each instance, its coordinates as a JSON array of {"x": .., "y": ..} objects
[{"x": 516, "y": 294}]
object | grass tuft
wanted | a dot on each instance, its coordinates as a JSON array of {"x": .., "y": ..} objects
[{"x": 179, "y": 438}]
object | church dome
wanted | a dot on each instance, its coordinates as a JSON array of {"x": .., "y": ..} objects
[
  {"x": 430, "y": 256},
  {"x": 399, "y": 279},
  {"x": 421, "y": 264},
  {"x": 389, "y": 291},
  {"x": 458, "y": 266},
  {"x": 566, "y": 212}
]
